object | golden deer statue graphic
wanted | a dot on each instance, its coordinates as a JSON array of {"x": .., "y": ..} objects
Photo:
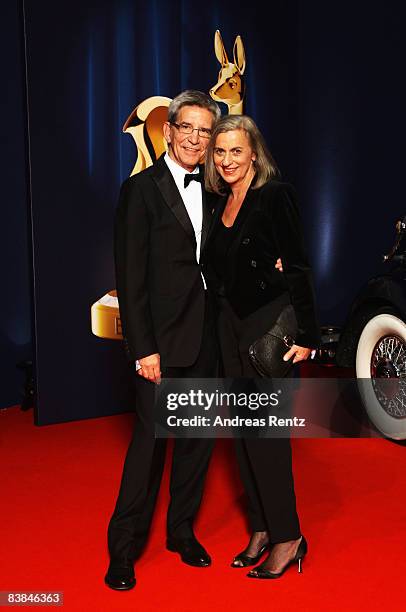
[
  {"x": 230, "y": 86},
  {"x": 145, "y": 126}
]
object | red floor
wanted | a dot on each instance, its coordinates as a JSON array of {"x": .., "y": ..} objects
[{"x": 58, "y": 489}]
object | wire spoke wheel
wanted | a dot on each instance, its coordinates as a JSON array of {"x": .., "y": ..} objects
[{"x": 381, "y": 373}]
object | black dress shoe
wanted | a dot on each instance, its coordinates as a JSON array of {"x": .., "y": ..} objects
[
  {"x": 120, "y": 577},
  {"x": 190, "y": 550}
]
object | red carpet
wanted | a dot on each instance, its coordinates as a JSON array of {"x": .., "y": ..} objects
[{"x": 58, "y": 490}]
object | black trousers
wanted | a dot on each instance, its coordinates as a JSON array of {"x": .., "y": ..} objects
[
  {"x": 265, "y": 463},
  {"x": 144, "y": 463}
]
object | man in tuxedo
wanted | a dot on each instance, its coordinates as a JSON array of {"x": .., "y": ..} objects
[{"x": 168, "y": 326}]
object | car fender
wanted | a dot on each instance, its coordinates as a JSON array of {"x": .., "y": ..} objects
[{"x": 380, "y": 291}]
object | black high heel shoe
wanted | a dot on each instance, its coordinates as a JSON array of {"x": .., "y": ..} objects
[
  {"x": 261, "y": 572},
  {"x": 243, "y": 560}
]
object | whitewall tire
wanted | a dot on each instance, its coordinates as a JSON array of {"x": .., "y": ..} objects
[{"x": 381, "y": 373}]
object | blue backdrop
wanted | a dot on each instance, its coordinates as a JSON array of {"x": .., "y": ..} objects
[
  {"x": 15, "y": 267},
  {"x": 324, "y": 83}
]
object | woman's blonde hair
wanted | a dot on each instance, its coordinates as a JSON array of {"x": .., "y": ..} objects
[{"x": 265, "y": 166}]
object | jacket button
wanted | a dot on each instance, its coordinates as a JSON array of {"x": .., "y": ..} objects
[
  {"x": 262, "y": 284},
  {"x": 253, "y": 263},
  {"x": 246, "y": 241}
]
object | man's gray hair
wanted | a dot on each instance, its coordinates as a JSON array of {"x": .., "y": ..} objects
[{"x": 192, "y": 97}]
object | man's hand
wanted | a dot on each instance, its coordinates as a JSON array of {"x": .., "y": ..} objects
[
  {"x": 300, "y": 353},
  {"x": 278, "y": 265},
  {"x": 150, "y": 368}
]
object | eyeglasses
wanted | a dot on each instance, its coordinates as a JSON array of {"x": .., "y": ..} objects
[{"x": 186, "y": 128}]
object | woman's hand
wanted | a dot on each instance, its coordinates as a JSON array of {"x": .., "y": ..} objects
[
  {"x": 279, "y": 265},
  {"x": 150, "y": 368},
  {"x": 300, "y": 353}
]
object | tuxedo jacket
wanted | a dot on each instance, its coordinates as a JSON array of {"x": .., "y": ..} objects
[
  {"x": 159, "y": 283},
  {"x": 267, "y": 226}
]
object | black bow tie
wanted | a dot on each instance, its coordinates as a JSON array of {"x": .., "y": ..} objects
[{"x": 192, "y": 177}]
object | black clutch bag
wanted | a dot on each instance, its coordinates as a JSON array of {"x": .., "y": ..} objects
[{"x": 266, "y": 353}]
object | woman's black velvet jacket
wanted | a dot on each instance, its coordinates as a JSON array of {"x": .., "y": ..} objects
[{"x": 267, "y": 226}]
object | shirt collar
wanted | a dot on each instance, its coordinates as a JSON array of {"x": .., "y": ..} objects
[{"x": 177, "y": 171}]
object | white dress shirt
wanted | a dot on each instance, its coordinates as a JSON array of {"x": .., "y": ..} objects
[{"x": 192, "y": 198}]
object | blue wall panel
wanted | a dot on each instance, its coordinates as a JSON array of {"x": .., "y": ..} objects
[
  {"x": 324, "y": 83},
  {"x": 15, "y": 299}
]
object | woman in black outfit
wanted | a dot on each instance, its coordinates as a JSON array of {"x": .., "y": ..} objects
[{"x": 255, "y": 221}]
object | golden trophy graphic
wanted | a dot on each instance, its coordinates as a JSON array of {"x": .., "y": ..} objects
[
  {"x": 147, "y": 119},
  {"x": 145, "y": 126}
]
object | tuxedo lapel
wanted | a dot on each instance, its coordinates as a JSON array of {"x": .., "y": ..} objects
[
  {"x": 206, "y": 216},
  {"x": 172, "y": 197}
]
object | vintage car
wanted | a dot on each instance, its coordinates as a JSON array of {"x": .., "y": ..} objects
[{"x": 373, "y": 341}]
